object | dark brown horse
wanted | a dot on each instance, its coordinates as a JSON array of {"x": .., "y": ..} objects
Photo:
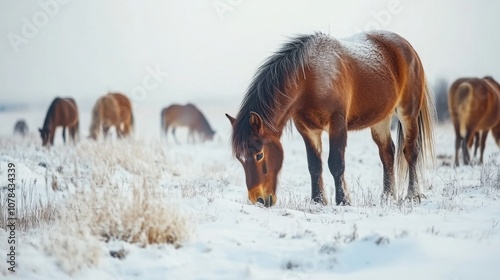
[
  {"x": 21, "y": 128},
  {"x": 62, "y": 112},
  {"x": 474, "y": 106},
  {"x": 113, "y": 109},
  {"x": 186, "y": 115},
  {"x": 325, "y": 84}
]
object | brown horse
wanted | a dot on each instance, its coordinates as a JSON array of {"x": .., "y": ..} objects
[
  {"x": 62, "y": 112},
  {"x": 325, "y": 84},
  {"x": 474, "y": 106},
  {"x": 21, "y": 128},
  {"x": 113, "y": 109},
  {"x": 186, "y": 115}
]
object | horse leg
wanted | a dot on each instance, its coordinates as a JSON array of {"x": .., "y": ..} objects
[
  {"x": 64, "y": 134},
  {"x": 465, "y": 148},
  {"x": 381, "y": 134},
  {"x": 165, "y": 132},
  {"x": 410, "y": 152},
  {"x": 476, "y": 143},
  {"x": 312, "y": 141},
  {"x": 484, "y": 135},
  {"x": 458, "y": 143},
  {"x": 336, "y": 161},
  {"x": 173, "y": 133}
]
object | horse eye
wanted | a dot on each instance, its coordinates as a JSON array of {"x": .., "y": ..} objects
[{"x": 259, "y": 156}]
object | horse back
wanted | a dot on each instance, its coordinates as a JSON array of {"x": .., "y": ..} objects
[
  {"x": 65, "y": 112},
  {"x": 124, "y": 106},
  {"x": 367, "y": 76}
]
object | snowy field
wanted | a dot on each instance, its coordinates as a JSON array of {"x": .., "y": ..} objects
[{"x": 87, "y": 206}]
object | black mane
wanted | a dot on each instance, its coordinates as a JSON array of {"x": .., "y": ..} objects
[
  {"x": 50, "y": 112},
  {"x": 269, "y": 81}
]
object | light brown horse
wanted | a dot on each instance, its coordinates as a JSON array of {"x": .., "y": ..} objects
[
  {"x": 62, "y": 112},
  {"x": 474, "y": 106},
  {"x": 186, "y": 115},
  {"x": 325, "y": 84},
  {"x": 113, "y": 109}
]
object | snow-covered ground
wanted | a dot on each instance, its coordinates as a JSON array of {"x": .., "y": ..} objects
[{"x": 453, "y": 234}]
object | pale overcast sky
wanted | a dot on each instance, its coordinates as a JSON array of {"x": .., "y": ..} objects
[{"x": 85, "y": 48}]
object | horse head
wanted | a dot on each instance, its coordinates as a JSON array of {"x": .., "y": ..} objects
[
  {"x": 44, "y": 134},
  {"x": 260, "y": 153}
]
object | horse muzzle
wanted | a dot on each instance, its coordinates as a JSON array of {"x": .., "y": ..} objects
[{"x": 258, "y": 195}]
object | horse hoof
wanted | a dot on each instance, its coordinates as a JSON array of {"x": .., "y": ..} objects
[{"x": 416, "y": 198}]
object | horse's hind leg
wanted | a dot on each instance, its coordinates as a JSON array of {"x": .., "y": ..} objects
[
  {"x": 410, "y": 131},
  {"x": 381, "y": 134},
  {"x": 312, "y": 141},
  {"x": 476, "y": 143},
  {"x": 484, "y": 135},
  {"x": 458, "y": 143},
  {"x": 64, "y": 134},
  {"x": 465, "y": 148}
]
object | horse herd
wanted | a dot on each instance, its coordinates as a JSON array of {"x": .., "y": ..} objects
[
  {"x": 325, "y": 84},
  {"x": 115, "y": 110}
]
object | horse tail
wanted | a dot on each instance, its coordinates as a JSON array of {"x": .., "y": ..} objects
[
  {"x": 131, "y": 121},
  {"x": 96, "y": 119},
  {"x": 426, "y": 119},
  {"x": 425, "y": 137}
]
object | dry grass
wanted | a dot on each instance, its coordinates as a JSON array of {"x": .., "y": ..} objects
[
  {"x": 139, "y": 215},
  {"x": 32, "y": 211},
  {"x": 95, "y": 192}
]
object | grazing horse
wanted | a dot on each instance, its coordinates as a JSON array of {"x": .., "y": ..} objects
[
  {"x": 62, "y": 112},
  {"x": 474, "y": 106},
  {"x": 186, "y": 115},
  {"x": 326, "y": 84},
  {"x": 112, "y": 109},
  {"x": 21, "y": 128}
]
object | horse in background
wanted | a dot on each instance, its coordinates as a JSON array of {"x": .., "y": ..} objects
[
  {"x": 62, "y": 112},
  {"x": 21, "y": 128},
  {"x": 474, "y": 106},
  {"x": 186, "y": 115},
  {"x": 325, "y": 84},
  {"x": 112, "y": 110}
]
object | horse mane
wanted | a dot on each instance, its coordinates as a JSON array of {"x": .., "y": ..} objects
[
  {"x": 50, "y": 112},
  {"x": 270, "y": 80}
]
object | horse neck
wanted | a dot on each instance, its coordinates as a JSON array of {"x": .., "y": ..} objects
[
  {"x": 286, "y": 103},
  {"x": 204, "y": 126},
  {"x": 49, "y": 118}
]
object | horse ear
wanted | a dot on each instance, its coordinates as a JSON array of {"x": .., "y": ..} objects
[
  {"x": 231, "y": 119},
  {"x": 256, "y": 123}
]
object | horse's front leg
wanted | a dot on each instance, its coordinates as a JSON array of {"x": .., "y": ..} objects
[
  {"x": 336, "y": 161},
  {"x": 312, "y": 141},
  {"x": 64, "y": 134}
]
